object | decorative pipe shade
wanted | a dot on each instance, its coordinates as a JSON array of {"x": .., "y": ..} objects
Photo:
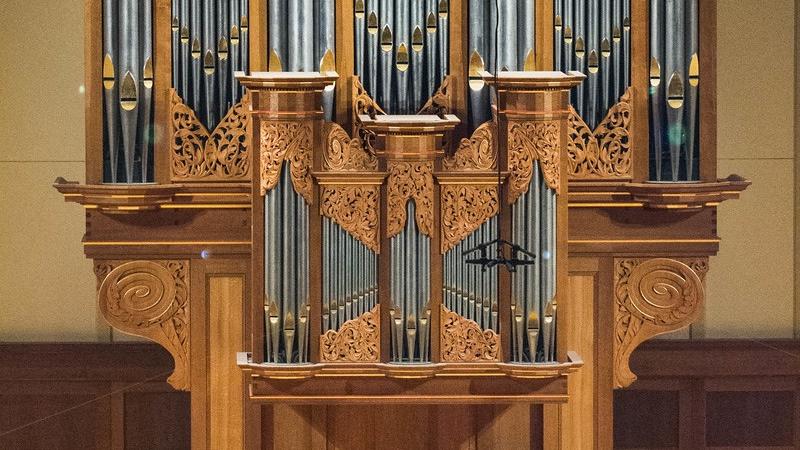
[
  {"x": 128, "y": 91},
  {"x": 401, "y": 50},
  {"x": 209, "y": 44},
  {"x": 674, "y": 83}
]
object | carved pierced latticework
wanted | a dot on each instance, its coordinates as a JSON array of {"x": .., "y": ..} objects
[
  {"x": 363, "y": 104},
  {"x": 290, "y": 141},
  {"x": 477, "y": 153},
  {"x": 345, "y": 154},
  {"x": 358, "y": 340},
  {"x": 464, "y": 209},
  {"x": 652, "y": 296},
  {"x": 198, "y": 155},
  {"x": 355, "y": 208},
  {"x": 528, "y": 142},
  {"x": 151, "y": 299},
  {"x": 606, "y": 152},
  {"x": 462, "y": 340},
  {"x": 410, "y": 180},
  {"x": 441, "y": 101}
]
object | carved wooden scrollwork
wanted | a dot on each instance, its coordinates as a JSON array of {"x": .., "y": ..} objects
[
  {"x": 530, "y": 141},
  {"x": 358, "y": 340},
  {"x": 606, "y": 152},
  {"x": 343, "y": 153},
  {"x": 653, "y": 296},
  {"x": 440, "y": 102},
  {"x": 464, "y": 341},
  {"x": 150, "y": 299},
  {"x": 289, "y": 141},
  {"x": 464, "y": 209},
  {"x": 355, "y": 208},
  {"x": 198, "y": 155},
  {"x": 410, "y": 180},
  {"x": 363, "y": 104},
  {"x": 479, "y": 152}
]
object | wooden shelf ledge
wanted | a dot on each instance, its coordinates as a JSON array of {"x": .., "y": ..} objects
[
  {"x": 134, "y": 198},
  {"x": 465, "y": 383},
  {"x": 686, "y": 196}
]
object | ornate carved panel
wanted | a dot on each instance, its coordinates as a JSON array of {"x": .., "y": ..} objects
[
  {"x": 355, "y": 208},
  {"x": 462, "y": 340},
  {"x": 151, "y": 299},
  {"x": 363, "y": 104},
  {"x": 289, "y": 141},
  {"x": 529, "y": 141},
  {"x": 441, "y": 101},
  {"x": 652, "y": 296},
  {"x": 410, "y": 180},
  {"x": 479, "y": 152},
  {"x": 358, "y": 340},
  {"x": 464, "y": 208},
  {"x": 198, "y": 155},
  {"x": 606, "y": 152},
  {"x": 345, "y": 154}
]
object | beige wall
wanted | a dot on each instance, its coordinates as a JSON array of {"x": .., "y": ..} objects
[{"x": 47, "y": 293}]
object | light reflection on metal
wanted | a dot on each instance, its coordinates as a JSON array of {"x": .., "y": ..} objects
[
  {"x": 128, "y": 98},
  {"x": 675, "y": 91}
]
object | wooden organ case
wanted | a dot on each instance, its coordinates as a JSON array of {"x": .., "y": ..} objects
[{"x": 430, "y": 224}]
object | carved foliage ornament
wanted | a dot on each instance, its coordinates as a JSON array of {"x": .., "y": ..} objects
[
  {"x": 223, "y": 155},
  {"x": 363, "y": 104},
  {"x": 358, "y": 340},
  {"x": 440, "y": 102},
  {"x": 606, "y": 152},
  {"x": 464, "y": 209},
  {"x": 410, "y": 180},
  {"x": 464, "y": 341},
  {"x": 528, "y": 142},
  {"x": 479, "y": 152},
  {"x": 290, "y": 141},
  {"x": 343, "y": 153},
  {"x": 653, "y": 296},
  {"x": 355, "y": 208},
  {"x": 150, "y": 299}
]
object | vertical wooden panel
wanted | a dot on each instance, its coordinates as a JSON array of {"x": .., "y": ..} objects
[
  {"x": 162, "y": 83},
  {"x": 503, "y": 426},
  {"x": 93, "y": 85},
  {"x": 454, "y": 427},
  {"x": 225, "y": 319},
  {"x": 459, "y": 63},
  {"x": 579, "y": 413},
  {"x": 258, "y": 35},
  {"x": 604, "y": 356},
  {"x": 345, "y": 65},
  {"x": 707, "y": 54},
  {"x": 544, "y": 34},
  {"x": 551, "y": 424},
  {"x": 640, "y": 69},
  {"x": 291, "y": 428}
]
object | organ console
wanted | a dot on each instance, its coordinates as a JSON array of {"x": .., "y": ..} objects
[{"x": 315, "y": 205}]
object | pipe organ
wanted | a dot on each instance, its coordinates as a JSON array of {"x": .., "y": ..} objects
[{"x": 454, "y": 203}]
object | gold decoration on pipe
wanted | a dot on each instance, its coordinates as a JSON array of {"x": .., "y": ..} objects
[
  {"x": 327, "y": 63},
  {"x": 580, "y": 48},
  {"x": 626, "y": 24},
  {"x": 184, "y": 35},
  {"x": 243, "y": 24},
  {"x": 402, "y": 57},
  {"x": 386, "y": 39},
  {"x": 655, "y": 72},
  {"x": 359, "y": 9},
  {"x": 417, "y": 41},
  {"x": 443, "y": 9},
  {"x": 275, "y": 62},
  {"x": 209, "y": 65},
  {"x": 605, "y": 48},
  {"x": 431, "y": 25},
  {"x": 196, "y": 52},
  {"x": 530, "y": 61},
  {"x": 616, "y": 35},
  {"x": 476, "y": 66},
  {"x": 372, "y": 23},
  {"x": 694, "y": 71},
  {"x": 568, "y": 35},
  {"x": 594, "y": 66},
  {"x": 675, "y": 91},
  {"x": 176, "y": 25},
  {"x": 147, "y": 71},
  {"x": 222, "y": 49},
  {"x": 557, "y": 23},
  {"x": 234, "y": 35},
  {"x": 108, "y": 72},
  {"x": 128, "y": 97}
]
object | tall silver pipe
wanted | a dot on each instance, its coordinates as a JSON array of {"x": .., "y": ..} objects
[
  {"x": 182, "y": 83},
  {"x": 691, "y": 88},
  {"x": 386, "y": 26},
  {"x": 402, "y": 35},
  {"x": 370, "y": 78},
  {"x": 604, "y": 52},
  {"x": 223, "y": 57},
  {"x": 196, "y": 52},
  {"x": 619, "y": 64},
  {"x": 656, "y": 81},
  {"x": 568, "y": 33},
  {"x": 209, "y": 62},
  {"x": 580, "y": 33},
  {"x": 431, "y": 45},
  {"x": 146, "y": 132},
  {"x": 526, "y": 30},
  {"x": 558, "y": 33},
  {"x": 674, "y": 64},
  {"x": 177, "y": 62},
  {"x": 443, "y": 36},
  {"x": 111, "y": 84},
  {"x": 244, "y": 38},
  {"x": 278, "y": 15},
  {"x": 235, "y": 49},
  {"x": 592, "y": 55},
  {"x": 129, "y": 90}
]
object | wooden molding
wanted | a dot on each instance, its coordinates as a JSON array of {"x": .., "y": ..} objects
[
  {"x": 652, "y": 297},
  {"x": 150, "y": 299}
]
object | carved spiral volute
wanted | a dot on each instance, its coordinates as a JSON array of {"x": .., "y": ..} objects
[
  {"x": 663, "y": 291},
  {"x": 138, "y": 294}
]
